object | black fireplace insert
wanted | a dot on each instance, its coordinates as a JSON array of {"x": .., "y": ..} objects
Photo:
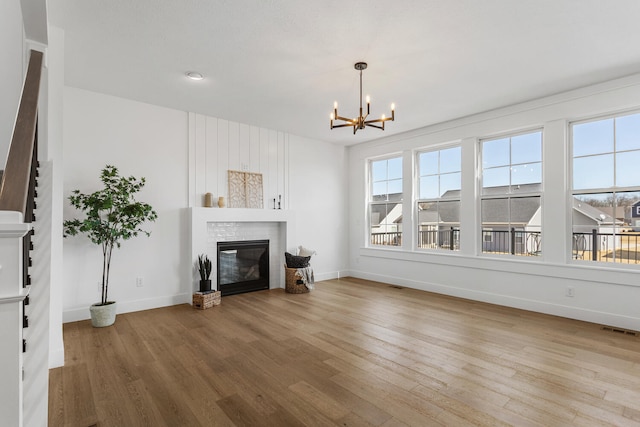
[{"x": 243, "y": 266}]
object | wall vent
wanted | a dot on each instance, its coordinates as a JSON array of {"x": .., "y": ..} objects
[{"x": 621, "y": 331}]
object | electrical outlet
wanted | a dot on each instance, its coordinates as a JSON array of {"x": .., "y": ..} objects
[
  {"x": 571, "y": 292},
  {"x": 139, "y": 282}
]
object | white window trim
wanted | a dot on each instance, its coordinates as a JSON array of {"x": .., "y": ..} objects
[
  {"x": 416, "y": 189},
  {"x": 510, "y": 194}
]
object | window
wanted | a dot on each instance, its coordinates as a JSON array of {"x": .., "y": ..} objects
[
  {"x": 439, "y": 199},
  {"x": 606, "y": 189},
  {"x": 511, "y": 193},
  {"x": 385, "y": 203}
]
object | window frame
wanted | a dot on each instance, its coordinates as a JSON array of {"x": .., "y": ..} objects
[
  {"x": 574, "y": 256},
  {"x": 509, "y": 196},
  {"x": 371, "y": 202},
  {"x": 437, "y": 200}
]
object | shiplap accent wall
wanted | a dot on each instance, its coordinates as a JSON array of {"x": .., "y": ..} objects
[{"x": 218, "y": 145}]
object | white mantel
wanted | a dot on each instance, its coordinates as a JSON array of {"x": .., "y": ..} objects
[
  {"x": 200, "y": 238},
  {"x": 204, "y": 215}
]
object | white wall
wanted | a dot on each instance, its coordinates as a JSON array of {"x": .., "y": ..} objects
[
  {"x": 319, "y": 198},
  {"x": 11, "y": 70},
  {"x": 183, "y": 155},
  {"x": 308, "y": 174},
  {"x": 144, "y": 141},
  {"x": 602, "y": 294},
  {"x": 54, "y": 154},
  {"x": 218, "y": 145}
]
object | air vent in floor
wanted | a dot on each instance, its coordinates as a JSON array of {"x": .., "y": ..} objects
[
  {"x": 396, "y": 287},
  {"x": 621, "y": 331}
]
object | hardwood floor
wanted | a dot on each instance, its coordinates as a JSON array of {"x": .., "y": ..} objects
[{"x": 350, "y": 353}]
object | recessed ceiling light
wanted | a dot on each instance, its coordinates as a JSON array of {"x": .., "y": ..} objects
[{"x": 194, "y": 75}]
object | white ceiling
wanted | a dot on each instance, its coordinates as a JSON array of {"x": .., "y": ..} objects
[{"x": 282, "y": 63}]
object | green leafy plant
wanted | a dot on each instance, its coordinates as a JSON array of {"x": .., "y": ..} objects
[
  {"x": 111, "y": 215},
  {"x": 204, "y": 267}
]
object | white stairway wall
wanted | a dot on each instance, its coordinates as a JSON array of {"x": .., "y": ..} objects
[
  {"x": 55, "y": 107},
  {"x": 11, "y": 70}
]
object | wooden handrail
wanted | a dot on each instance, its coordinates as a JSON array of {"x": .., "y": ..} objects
[{"x": 14, "y": 187}]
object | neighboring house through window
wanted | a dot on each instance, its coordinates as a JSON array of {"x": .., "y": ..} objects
[
  {"x": 385, "y": 203},
  {"x": 439, "y": 199},
  {"x": 511, "y": 193},
  {"x": 606, "y": 189}
]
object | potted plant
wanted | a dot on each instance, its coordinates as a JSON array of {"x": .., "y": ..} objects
[
  {"x": 204, "y": 267},
  {"x": 111, "y": 215}
]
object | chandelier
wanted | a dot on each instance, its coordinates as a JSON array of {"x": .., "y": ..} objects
[{"x": 361, "y": 121}]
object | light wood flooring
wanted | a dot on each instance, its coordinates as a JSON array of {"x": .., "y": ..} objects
[{"x": 350, "y": 353}]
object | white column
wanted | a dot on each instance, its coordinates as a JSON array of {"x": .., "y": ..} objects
[
  {"x": 469, "y": 201},
  {"x": 12, "y": 230},
  {"x": 556, "y": 207},
  {"x": 408, "y": 208}
]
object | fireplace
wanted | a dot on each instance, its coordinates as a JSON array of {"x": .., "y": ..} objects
[{"x": 243, "y": 266}]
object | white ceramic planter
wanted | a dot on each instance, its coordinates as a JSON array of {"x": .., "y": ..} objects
[{"x": 103, "y": 315}]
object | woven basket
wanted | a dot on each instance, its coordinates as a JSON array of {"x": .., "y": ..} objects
[
  {"x": 291, "y": 284},
  {"x": 204, "y": 301}
]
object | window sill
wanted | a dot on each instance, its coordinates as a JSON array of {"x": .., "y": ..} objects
[{"x": 510, "y": 264}]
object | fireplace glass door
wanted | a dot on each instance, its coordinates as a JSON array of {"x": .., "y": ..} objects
[{"x": 243, "y": 266}]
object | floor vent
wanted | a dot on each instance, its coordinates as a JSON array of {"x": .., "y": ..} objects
[
  {"x": 621, "y": 331},
  {"x": 396, "y": 287}
]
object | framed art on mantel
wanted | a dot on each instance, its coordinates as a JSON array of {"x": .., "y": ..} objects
[{"x": 245, "y": 190}]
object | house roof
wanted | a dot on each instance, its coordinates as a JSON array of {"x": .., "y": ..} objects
[
  {"x": 496, "y": 211},
  {"x": 592, "y": 212}
]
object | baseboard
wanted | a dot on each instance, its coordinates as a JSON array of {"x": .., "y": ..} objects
[
  {"x": 326, "y": 276},
  {"x": 56, "y": 358},
  {"x": 570, "y": 312},
  {"x": 82, "y": 313}
]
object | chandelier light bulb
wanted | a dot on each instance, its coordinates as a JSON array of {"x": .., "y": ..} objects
[
  {"x": 335, "y": 105},
  {"x": 332, "y": 117},
  {"x": 383, "y": 117},
  {"x": 393, "y": 107},
  {"x": 368, "y": 99}
]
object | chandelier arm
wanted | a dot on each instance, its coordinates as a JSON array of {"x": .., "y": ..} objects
[
  {"x": 343, "y": 125},
  {"x": 386, "y": 119},
  {"x": 376, "y": 126},
  {"x": 344, "y": 119}
]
